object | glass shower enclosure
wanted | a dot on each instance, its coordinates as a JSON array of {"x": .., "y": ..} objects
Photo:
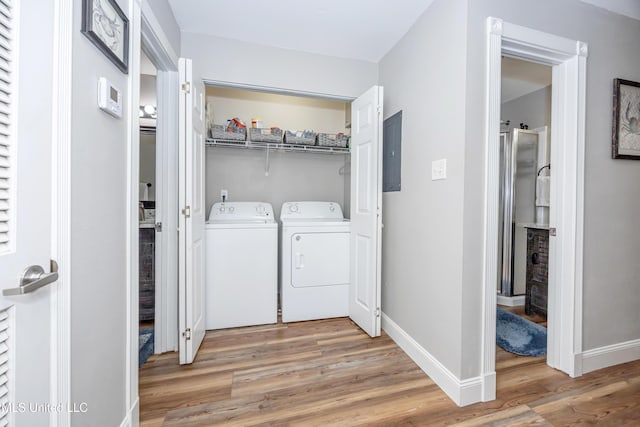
[{"x": 517, "y": 195}]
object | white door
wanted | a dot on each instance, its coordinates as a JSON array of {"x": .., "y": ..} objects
[
  {"x": 25, "y": 208},
  {"x": 191, "y": 313},
  {"x": 366, "y": 210}
]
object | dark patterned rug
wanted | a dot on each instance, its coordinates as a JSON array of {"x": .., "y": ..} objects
[{"x": 519, "y": 335}]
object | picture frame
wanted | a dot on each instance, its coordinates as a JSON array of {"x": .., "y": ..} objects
[
  {"x": 104, "y": 23},
  {"x": 626, "y": 119}
]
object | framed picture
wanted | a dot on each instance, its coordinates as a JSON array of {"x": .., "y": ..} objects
[
  {"x": 104, "y": 23},
  {"x": 626, "y": 119}
]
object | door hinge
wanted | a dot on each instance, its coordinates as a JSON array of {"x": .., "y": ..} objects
[
  {"x": 186, "y": 87},
  {"x": 187, "y": 334},
  {"x": 187, "y": 212},
  {"x": 158, "y": 227},
  {"x": 378, "y": 312},
  {"x": 378, "y": 108}
]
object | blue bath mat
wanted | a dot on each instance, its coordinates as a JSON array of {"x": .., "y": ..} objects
[
  {"x": 145, "y": 345},
  {"x": 520, "y": 336}
]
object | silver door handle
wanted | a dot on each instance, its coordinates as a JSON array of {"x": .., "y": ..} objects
[{"x": 33, "y": 279}]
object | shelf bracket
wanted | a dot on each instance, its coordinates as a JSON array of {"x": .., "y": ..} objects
[{"x": 266, "y": 166}]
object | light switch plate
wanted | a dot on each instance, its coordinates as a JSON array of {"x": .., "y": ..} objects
[{"x": 438, "y": 169}]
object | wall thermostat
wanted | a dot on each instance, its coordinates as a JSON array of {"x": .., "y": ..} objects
[{"x": 109, "y": 98}]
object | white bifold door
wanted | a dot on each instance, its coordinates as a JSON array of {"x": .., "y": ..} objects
[
  {"x": 191, "y": 297},
  {"x": 366, "y": 210}
]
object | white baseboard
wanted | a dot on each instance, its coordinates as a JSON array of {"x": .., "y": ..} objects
[
  {"x": 462, "y": 392},
  {"x": 515, "y": 301},
  {"x": 611, "y": 355},
  {"x": 132, "y": 418}
]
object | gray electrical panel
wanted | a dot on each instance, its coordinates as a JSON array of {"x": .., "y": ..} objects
[{"x": 392, "y": 153}]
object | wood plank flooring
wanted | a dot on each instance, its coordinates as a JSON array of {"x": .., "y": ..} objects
[{"x": 330, "y": 373}]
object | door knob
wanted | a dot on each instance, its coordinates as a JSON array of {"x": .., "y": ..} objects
[{"x": 33, "y": 279}]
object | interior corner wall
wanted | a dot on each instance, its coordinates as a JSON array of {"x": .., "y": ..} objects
[
  {"x": 611, "y": 290},
  {"x": 424, "y": 76},
  {"x": 532, "y": 109},
  {"x": 225, "y": 60},
  {"x": 98, "y": 262}
]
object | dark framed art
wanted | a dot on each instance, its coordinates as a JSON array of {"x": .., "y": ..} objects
[
  {"x": 104, "y": 23},
  {"x": 626, "y": 120}
]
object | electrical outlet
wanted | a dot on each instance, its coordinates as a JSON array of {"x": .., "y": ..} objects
[
  {"x": 439, "y": 169},
  {"x": 224, "y": 195}
]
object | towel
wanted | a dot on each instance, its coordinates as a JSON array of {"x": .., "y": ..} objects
[
  {"x": 543, "y": 185},
  {"x": 143, "y": 191}
]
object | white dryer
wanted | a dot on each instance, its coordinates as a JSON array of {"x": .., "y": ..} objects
[
  {"x": 314, "y": 275},
  {"x": 242, "y": 265}
]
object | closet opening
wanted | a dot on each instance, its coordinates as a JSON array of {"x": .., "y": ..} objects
[{"x": 276, "y": 156}]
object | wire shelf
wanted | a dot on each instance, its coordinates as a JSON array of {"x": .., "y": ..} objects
[{"x": 272, "y": 146}]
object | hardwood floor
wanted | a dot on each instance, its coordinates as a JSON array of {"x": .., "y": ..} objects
[{"x": 330, "y": 373}]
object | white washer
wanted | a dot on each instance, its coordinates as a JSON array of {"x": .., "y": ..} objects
[
  {"x": 314, "y": 276},
  {"x": 242, "y": 265}
]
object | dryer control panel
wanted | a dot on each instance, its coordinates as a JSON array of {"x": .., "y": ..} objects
[{"x": 311, "y": 210}]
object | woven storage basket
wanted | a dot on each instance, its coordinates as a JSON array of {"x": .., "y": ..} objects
[
  {"x": 273, "y": 135},
  {"x": 331, "y": 140},
  {"x": 220, "y": 132},
  {"x": 300, "y": 138}
]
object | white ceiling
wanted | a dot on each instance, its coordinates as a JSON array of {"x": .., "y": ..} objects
[
  {"x": 630, "y": 8},
  {"x": 356, "y": 29},
  {"x": 521, "y": 77}
]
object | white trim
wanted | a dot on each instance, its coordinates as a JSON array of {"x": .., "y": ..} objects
[
  {"x": 610, "y": 355},
  {"x": 462, "y": 392},
  {"x": 514, "y": 301},
  {"x": 568, "y": 58},
  {"x": 276, "y": 90},
  {"x": 132, "y": 417},
  {"x": 61, "y": 211},
  {"x": 491, "y": 195},
  {"x": 132, "y": 229},
  {"x": 155, "y": 41}
]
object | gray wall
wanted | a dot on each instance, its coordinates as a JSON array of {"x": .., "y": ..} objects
[
  {"x": 163, "y": 13},
  {"x": 226, "y": 60},
  {"x": 533, "y": 109},
  {"x": 422, "y": 235},
  {"x": 611, "y": 271},
  {"x": 432, "y": 263},
  {"x": 98, "y": 238},
  {"x": 292, "y": 176}
]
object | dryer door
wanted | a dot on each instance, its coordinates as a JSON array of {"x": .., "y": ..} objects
[{"x": 319, "y": 259}]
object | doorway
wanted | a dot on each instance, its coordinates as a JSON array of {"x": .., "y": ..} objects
[
  {"x": 568, "y": 61},
  {"x": 148, "y": 257},
  {"x": 523, "y": 239}
]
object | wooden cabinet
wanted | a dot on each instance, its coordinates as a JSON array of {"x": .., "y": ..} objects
[
  {"x": 147, "y": 282},
  {"x": 537, "y": 271}
]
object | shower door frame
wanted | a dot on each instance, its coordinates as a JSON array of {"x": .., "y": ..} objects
[{"x": 568, "y": 59}]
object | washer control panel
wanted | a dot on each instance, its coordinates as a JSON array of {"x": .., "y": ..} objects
[{"x": 241, "y": 211}]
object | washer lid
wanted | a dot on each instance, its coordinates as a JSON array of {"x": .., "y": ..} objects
[
  {"x": 241, "y": 212},
  {"x": 311, "y": 211}
]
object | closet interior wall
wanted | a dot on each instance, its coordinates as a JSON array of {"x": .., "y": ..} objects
[{"x": 249, "y": 175}]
